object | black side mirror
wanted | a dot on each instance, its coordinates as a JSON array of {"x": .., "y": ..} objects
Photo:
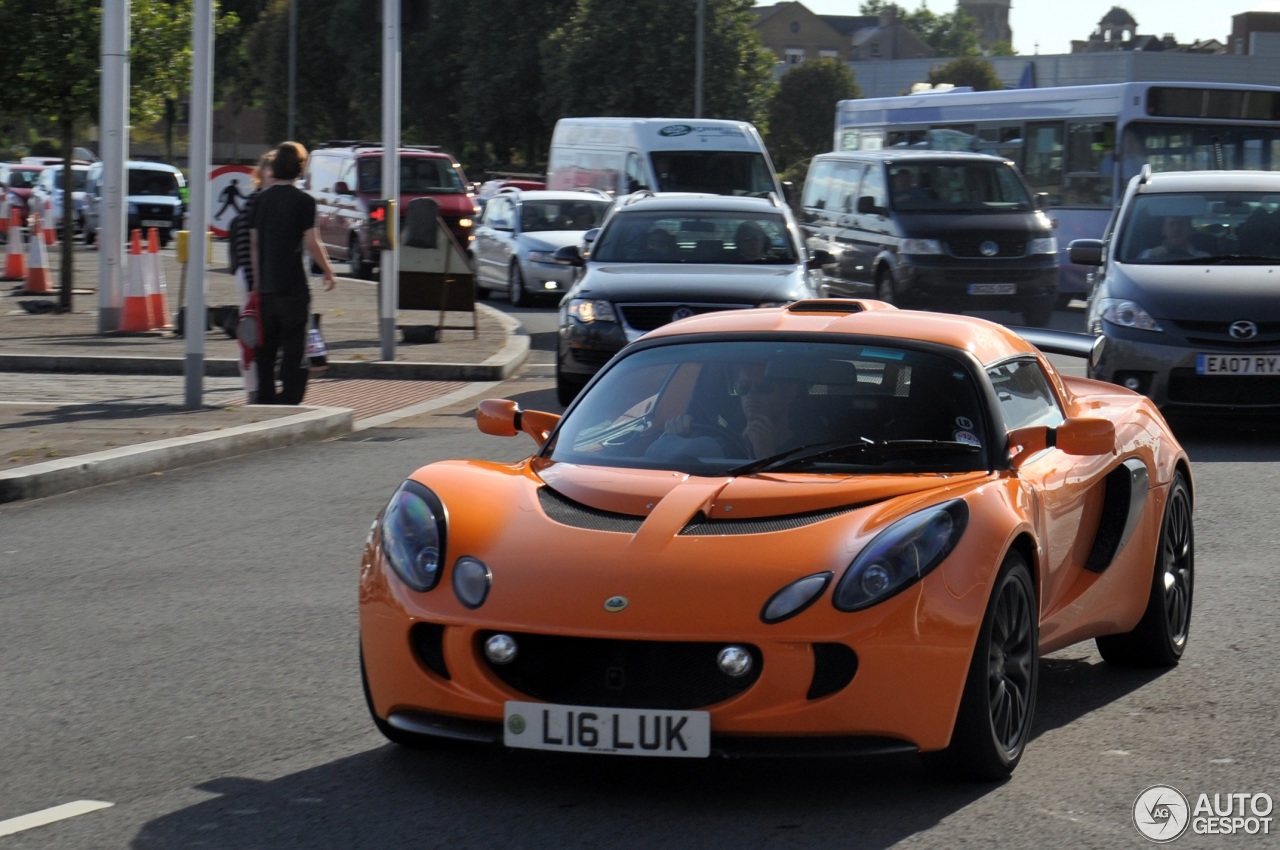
[
  {"x": 867, "y": 206},
  {"x": 820, "y": 257},
  {"x": 568, "y": 254},
  {"x": 341, "y": 188},
  {"x": 1085, "y": 252}
]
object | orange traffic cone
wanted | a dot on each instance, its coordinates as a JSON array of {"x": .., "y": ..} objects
[
  {"x": 37, "y": 263},
  {"x": 135, "y": 316},
  {"x": 50, "y": 235},
  {"x": 155, "y": 282},
  {"x": 15, "y": 261}
]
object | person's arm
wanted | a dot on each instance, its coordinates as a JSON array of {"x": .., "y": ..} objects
[{"x": 321, "y": 257}]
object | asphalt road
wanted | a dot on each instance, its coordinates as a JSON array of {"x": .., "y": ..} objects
[{"x": 183, "y": 647}]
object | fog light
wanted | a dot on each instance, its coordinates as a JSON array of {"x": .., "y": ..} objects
[
  {"x": 549, "y": 285},
  {"x": 501, "y": 649},
  {"x": 1132, "y": 383},
  {"x": 734, "y": 661}
]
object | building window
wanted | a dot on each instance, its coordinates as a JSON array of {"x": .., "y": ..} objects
[
  {"x": 875, "y": 50},
  {"x": 828, "y": 54},
  {"x": 795, "y": 56},
  {"x": 795, "y": 26}
]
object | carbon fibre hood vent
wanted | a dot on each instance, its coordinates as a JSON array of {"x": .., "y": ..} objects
[
  {"x": 701, "y": 526},
  {"x": 568, "y": 512}
]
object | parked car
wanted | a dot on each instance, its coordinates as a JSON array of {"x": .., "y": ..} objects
[
  {"x": 46, "y": 196},
  {"x": 346, "y": 181},
  {"x": 155, "y": 195},
  {"x": 932, "y": 229},
  {"x": 518, "y": 233},
  {"x": 942, "y": 508},
  {"x": 16, "y": 182},
  {"x": 1185, "y": 295},
  {"x": 664, "y": 256}
]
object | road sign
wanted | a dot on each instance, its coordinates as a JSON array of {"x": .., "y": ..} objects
[{"x": 229, "y": 186}]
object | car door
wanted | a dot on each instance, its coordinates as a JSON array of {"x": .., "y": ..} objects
[
  {"x": 488, "y": 246},
  {"x": 866, "y": 230}
]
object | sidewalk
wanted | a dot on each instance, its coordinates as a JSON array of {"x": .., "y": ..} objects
[{"x": 78, "y": 408}]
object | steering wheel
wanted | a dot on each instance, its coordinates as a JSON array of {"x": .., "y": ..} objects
[{"x": 733, "y": 443}]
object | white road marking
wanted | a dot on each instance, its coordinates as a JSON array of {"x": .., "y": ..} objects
[{"x": 48, "y": 816}]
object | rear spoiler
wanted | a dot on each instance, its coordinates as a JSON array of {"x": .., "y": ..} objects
[{"x": 1067, "y": 343}]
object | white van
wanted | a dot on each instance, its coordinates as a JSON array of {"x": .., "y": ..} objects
[{"x": 624, "y": 155}]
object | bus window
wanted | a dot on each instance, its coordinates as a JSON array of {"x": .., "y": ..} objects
[
  {"x": 1090, "y": 164},
  {"x": 1043, "y": 166},
  {"x": 905, "y": 139},
  {"x": 1001, "y": 141}
]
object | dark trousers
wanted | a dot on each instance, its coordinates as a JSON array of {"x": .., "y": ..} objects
[{"x": 284, "y": 335}]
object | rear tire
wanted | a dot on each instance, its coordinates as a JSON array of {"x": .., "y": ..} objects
[
  {"x": 998, "y": 705},
  {"x": 1160, "y": 637}
]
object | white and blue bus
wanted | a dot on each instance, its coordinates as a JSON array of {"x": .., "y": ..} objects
[{"x": 1080, "y": 144}]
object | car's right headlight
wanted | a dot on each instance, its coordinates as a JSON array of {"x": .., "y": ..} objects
[
  {"x": 588, "y": 310},
  {"x": 920, "y": 246},
  {"x": 413, "y": 535},
  {"x": 901, "y": 555},
  {"x": 1128, "y": 314},
  {"x": 1043, "y": 245}
]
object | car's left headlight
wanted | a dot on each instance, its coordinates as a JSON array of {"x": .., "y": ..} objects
[
  {"x": 541, "y": 257},
  {"x": 901, "y": 555},
  {"x": 413, "y": 535},
  {"x": 588, "y": 310},
  {"x": 1128, "y": 314},
  {"x": 1043, "y": 245}
]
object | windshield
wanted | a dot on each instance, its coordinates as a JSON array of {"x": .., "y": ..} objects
[
  {"x": 716, "y": 172},
  {"x": 748, "y": 407},
  {"x": 1196, "y": 228},
  {"x": 419, "y": 175},
  {"x": 79, "y": 178},
  {"x": 704, "y": 237},
  {"x": 949, "y": 187},
  {"x": 561, "y": 215},
  {"x": 153, "y": 182}
]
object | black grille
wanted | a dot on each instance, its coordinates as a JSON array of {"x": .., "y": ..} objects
[
  {"x": 700, "y": 525},
  {"x": 621, "y": 673},
  {"x": 1217, "y": 334},
  {"x": 156, "y": 212},
  {"x": 1186, "y": 387},
  {"x": 428, "y": 645},
  {"x": 646, "y": 317},
  {"x": 834, "y": 666},
  {"x": 971, "y": 246},
  {"x": 568, "y": 512}
]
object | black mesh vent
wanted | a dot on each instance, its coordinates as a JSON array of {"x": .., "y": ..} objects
[
  {"x": 970, "y": 246},
  {"x": 1186, "y": 387},
  {"x": 1217, "y": 333},
  {"x": 568, "y": 512},
  {"x": 700, "y": 525},
  {"x": 834, "y": 666},
  {"x": 646, "y": 317},
  {"x": 428, "y": 645},
  {"x": 621, "y": 673}
]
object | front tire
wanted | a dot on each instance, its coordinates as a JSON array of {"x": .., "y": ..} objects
[
  {"x": 884, "y": 287},
  {"x": 998, "y": 705},
  {"x": 567, "y": 388},
  {"x": 1160, "y": 637},
  {"x": 515, "y": 288},
  {"x": 359, "y": 267}
]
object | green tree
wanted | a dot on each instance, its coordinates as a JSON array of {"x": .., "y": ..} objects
[
  {"x": 638, "y": 59},
  {"x": 967, "y": 71},
  {"x": 801, "y": 116},
  {"x": 53, "y": 48}
]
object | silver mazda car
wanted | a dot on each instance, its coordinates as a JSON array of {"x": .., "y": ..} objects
[{"x": 1187, "y": 292}]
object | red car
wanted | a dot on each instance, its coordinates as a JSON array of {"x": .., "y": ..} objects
[{"x": 16, "y": 180}]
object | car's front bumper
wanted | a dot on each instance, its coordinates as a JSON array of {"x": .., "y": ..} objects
[
  {"x": 947, "y": 283},
  {"x": 1145, "y": 362}
]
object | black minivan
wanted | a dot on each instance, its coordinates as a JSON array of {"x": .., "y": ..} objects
[{"x": 941, "y": 230}]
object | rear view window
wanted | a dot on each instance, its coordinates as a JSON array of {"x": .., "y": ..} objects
[{"x": 418, "y": 175}]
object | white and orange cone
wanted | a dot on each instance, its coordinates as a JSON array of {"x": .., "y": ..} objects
[
  {"x": 37, "y": 263},
  {"x": 136, "y": 315},
  {"x": 15, "y": 261},
  {"x": 155, "y": 282}
]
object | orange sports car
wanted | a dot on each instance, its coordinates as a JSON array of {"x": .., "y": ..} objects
[{"x": 830, "y": 527}]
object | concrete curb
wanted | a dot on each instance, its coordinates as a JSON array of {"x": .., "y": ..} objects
[{"x": 75, "y": 473}]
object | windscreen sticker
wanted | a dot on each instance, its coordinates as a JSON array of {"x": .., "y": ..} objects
[
  {"x": 964, "y": 423},
  {"x": 967, "y": 437}
]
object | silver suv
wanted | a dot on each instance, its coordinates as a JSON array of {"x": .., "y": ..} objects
[{"x": 1185, "y": 293}]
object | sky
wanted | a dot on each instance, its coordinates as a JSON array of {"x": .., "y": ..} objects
[{"x": 1048, "y": 26}]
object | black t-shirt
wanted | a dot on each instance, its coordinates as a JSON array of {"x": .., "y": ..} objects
[{"x": 282, "y": 214}]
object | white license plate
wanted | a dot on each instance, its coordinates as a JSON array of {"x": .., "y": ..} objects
[
  {"x": 993, "y": 289},
  {"x": 619, "y": 731},
  {"x": 1238, "y": 364},
  {"x": 155, "y": 223}
]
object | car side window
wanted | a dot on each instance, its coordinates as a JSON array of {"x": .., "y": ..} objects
[
  {"x": 873, "y": 186},
  {"x": 1024, "y": 394}
]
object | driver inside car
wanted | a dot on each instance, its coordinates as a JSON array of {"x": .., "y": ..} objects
[{"x": 766, "y": 404}]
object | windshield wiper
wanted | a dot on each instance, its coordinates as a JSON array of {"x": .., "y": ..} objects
[{"x": 878, "y": 449}]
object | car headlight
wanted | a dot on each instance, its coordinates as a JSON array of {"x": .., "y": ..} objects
[
  {"x": 465, "y": 223},
  {"x": 920, "y": 246},
  {"x": 795, "y": 597},
  {"x": 1128, "y": 314},
  {"x": 1043, "y": 245},
  {"x": 901, "y": 555},
  {"x": 413, "y": 535},
  {"x": 588, "y": 310},
  {"x": 541, "y": 257}
]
